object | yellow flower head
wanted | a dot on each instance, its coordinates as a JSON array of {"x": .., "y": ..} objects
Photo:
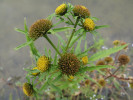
[
  {"x": 35, "y": 74},
  {"x": 85, "y": 60},
  {"x": 89, "y": 24},
  {"x": 116, "y": 42},
  {"x": 108, "y": 59},
  {"x": 28, "y": 89},
  {"x": 81, "y": 11},
  {"x": 71, "y": 77},
  {"x": 43, "y": 63},
  {"x": 123, "y": 59},
  {"x": 39, "y": 28},
  {"x": 69, "y": 64},
  {"x": 102, "y": 82},
  {"x": 61, "y": 10}
]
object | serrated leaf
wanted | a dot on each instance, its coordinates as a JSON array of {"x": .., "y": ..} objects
[
  {"x": 93, "y": 32},
  {"x": 42, "y": 75},
  {"x": 60, "y": 39},
  {"x": 74, "y": 39},
  {"x": 56, "y": 88},
  {"x": 57, "y": 23},
  {"x": 94, "y": 18},
  {"x": 81, "y": 30},
  {"x": 62, "y": 29},
  {"x": 70, "y": 7},
  {"x": 101, "y": 72},
  {"x": 23, "y": 45},
  {"x": 62, "y": 48},
  {"x": 49, "y": 52},
  {"x": 25, "y": 26},
  {"x": 46, "y": 51},
  {"x": 84, "y": 69},
  {"x": 55, "y": 57},
  {"x": 44, "y": 86},
  {"x": 28, "y": 79},
  {"x": 85, "y": 46},
  {"x": 57, "y": 78},
  {"x": 117, "y": 84},
  {"x": 102, "y": 26},
  {"x": 105, "y": 53},
  {"x": 86, "y": 51},
  {"x": 78, "y": 48},
  {"x": 21, "y": 31},
  {"x": 51, "y": 31},
  {"x": 84, "y": 35},
  {"x": 91, "y": 79},
  {"x": 50, "y": 17}
]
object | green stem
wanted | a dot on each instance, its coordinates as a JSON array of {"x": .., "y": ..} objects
[
  {"x": 70, "y": 21},
  {"x": 52, "y": 44},
  {"x": 72, "y": 33},
  {"x": 76, "y": 40}
]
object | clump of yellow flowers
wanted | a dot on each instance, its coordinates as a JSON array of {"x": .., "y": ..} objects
[{"x": 68, "y": 69}]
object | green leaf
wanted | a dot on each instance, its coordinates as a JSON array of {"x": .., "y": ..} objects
[
  {"x": 73, "y": 41},
  {"x": 55, "y": 57},
  {"x": 49, "y": 52},
  {"x": 105, "y": 53},
  {"x": 57, "y": 23},
  {"x": 62, "y": 48},
  {"x": 81, "y": 30},
  {"x": 51, "y": 31},
  {"x": 50, "y": 17},
  {"x": 60, "y": 39},
  {"x": 84, "y": 69},
  {"x": 62, "y": 29},
  {"x": 91, "y": 79},
  {"x": 101, "y": 72},
  {"x": 21, "y": 31},
  {"x": 86, "y": 51},
  {"x": 46, "y": 51},
  {"x": 93, "y": 32},
  {"x": 23, "y": 45},
  {"x": 44, "y": 86},
  {"x": 94, "y": 18},
  {"x": 102, "y": 26},
  {"x": 70, "y": 7},
  {"x": 84, "y": 35},
  {"x": 78, "y": 48},
  {"x": 85, "y": 46},
  {"x": 25, "y": 26},
  {"x": 117, "y": 84},
  {"x": 42, "y": 76},
  {"x": 57, "y": 78},
  {"x": 56, "y": 88},
  {"x": 28, "y": 79}
]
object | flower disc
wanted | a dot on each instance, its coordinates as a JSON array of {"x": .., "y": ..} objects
[
  {"x": 81, "y": 11},
  {"x": 69, "y": 64},
  {"x": 28, "y": 89},
  {"x": 39, "y": 28},
  {"x": 43, "y": 63}
]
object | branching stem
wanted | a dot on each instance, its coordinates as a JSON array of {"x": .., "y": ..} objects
[
  {"x": 47, "y": 38},
  {"x": 75, "y": 25}
]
